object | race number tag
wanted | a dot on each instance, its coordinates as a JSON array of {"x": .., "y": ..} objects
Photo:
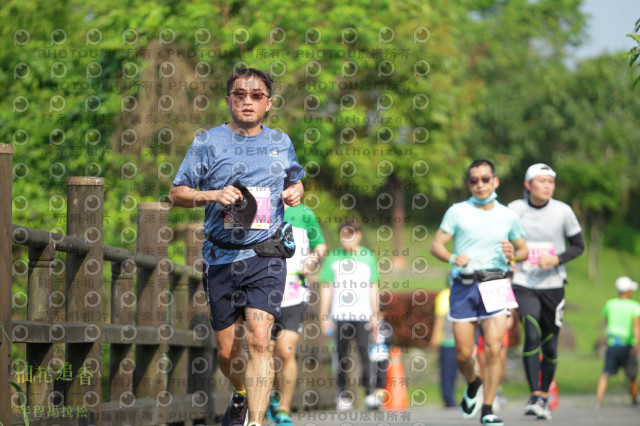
[
  {"x": 535, "y": 251},
  {"x": 497, "y": 294},
  {"x": 293, "y": 290},
  {"x": 263, "y": 215}
]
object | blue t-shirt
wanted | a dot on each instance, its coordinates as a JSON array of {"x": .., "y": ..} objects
[
  {"x": 219, "y": 157},
  {"x": 477, "y": 233}
]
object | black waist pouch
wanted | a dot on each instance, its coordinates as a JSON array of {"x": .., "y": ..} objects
[
  {"x": 483, "y": 275},
  {"x": 280, "y": 244}
]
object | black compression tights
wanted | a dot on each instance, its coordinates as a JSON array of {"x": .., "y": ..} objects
[{"x": 538, "y": 341}]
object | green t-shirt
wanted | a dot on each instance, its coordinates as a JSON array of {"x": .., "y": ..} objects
[
  {"x": 307, "y": 234},
  {"x": 302, "y": 217},
  {"x": 619, "y": 314},
  {"x": 351, "y": 275}
]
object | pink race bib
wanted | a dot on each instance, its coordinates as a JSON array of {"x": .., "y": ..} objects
[
  {"x": 538, "y": 249},
  {"x": 497, "y": 294}
]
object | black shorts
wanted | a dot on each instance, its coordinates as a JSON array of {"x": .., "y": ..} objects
[
  {"x": 291, "y": 319},
  {"x": 256, "y": 282},
  {"x": 621, "y": 356},
  {"x": 545, "y": 306}
]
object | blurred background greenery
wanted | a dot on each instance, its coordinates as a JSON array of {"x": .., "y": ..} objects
[{"x": 387, "y": 102}]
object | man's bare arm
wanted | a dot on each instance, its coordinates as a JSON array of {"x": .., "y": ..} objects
[
  {"x": 521, "y": 249},
  {"x": 439, "y": 249},
  {"x": 185, "y": 196},
  {"x": 636, "y": 335}
]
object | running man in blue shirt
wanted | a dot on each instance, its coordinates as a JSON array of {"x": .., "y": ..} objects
[
  {"x": 240, "y": 285},
  {"x": 486, "y": 236}
]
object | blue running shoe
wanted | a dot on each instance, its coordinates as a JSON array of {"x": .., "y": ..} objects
[
  {"x": 470, "y": 406},
  {"x": 283, "y": 419},
  {"x": 491, "y": 419},
  {"x": 272, "y": 408}
]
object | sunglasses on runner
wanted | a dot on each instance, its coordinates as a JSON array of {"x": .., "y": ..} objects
[
  {"x": 484, "y": 179},
  {"x": 240, "y": 95}
]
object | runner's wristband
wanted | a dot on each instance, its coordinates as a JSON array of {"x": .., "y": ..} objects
[{"x": 451, "y": 259}]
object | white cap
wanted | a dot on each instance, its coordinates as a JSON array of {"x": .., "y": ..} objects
[
  {"x": 624, "y": 284},
  {"x": 539, "y": 169}
]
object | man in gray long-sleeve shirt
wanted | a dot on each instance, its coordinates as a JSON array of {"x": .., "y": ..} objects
[{"x": 538, "y": 282}]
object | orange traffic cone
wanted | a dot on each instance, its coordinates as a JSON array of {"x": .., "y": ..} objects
[
  {"x": 554, "y": 395},
  {"x": 397, "y": 397}
]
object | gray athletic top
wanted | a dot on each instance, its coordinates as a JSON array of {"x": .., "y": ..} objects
[{"x": 546, "y": 230}]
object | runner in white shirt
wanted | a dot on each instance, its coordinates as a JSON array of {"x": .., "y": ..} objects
[
  {"x": 350, "y": 310},
  {"x": 538, "y": 282},
  {"x": 310, "y": 249}
]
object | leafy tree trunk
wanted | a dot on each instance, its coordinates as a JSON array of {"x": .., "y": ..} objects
[{"x": 398, "y": 215}]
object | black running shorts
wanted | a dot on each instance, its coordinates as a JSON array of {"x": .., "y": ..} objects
[
  {"x": 291, "y": 319},
  {"x": 256, "y": 282},
  {"x": 621, "y": 356}
]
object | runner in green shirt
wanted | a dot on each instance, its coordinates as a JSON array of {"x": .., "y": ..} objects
[
  {"x": 622, "y": 316},
  {"x": 350, "y": 310}
]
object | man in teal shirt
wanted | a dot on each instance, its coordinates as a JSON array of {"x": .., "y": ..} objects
[
  {"x": 622, "y": 315},
  {"x": 486, "y": 236}
]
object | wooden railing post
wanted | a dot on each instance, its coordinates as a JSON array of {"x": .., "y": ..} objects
[
  {"x": 40, "y": 308},
  {"x": 123, "y": 300},
  {"x": 202, "y": 361},
  {"x": 178, "y": 355},
  {"x": 6, "y": 181},
  {"x": 85, "y": 212},
  {"x": 153, "y": 299}
]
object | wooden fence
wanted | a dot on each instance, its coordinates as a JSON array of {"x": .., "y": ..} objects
[{"x": 151, "y": 317}]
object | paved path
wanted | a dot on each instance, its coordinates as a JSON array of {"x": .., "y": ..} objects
[{"x": 573, "y": 410}]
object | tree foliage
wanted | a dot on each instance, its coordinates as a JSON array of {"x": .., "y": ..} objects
[
  {"x": 634, "y": 52},
  {"x": 368, "y": 92},
  {"x": 519, "y": 48},
  {"x": 376, "y": 96}
]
